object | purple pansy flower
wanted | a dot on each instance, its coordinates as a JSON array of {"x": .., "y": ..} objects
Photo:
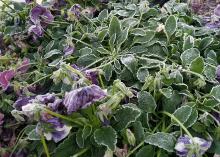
[
  {"x": 24, "y": 66},
  {"x": 29, "y": 1},
  {"x": 57, "y": 131},
  {"x": 217, "y": 10},
  {"x": 56, "y": 104},
  {"x": 57, "y": 4},
  {"x": 185, "y": 145},
  {"x": 75, "y": 11},
  {"x": 5, "y": 78},
  {"x": 36, "y": 30},
  {"x": 196, "y": 5},
  {"x": 83, "y": 97},
  {"x": 22, "y": 101},
  {"x": 1, "y": 118},
  {"x": 68, "y": 50},
  {"x": 46, "y": 98},
  {"x": 42, "y": 15}
]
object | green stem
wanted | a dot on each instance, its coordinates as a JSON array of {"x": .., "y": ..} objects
[
  {"x": 75, "y": 71},
  {"x": 45, "y": 146},
  {"x": 101, "y": 81},
  {"x": 63, "y": 117},
  {"x": 88, "y": 19},
  {"x": 81, "y": 152},
  {"x": 93, "y": 63},
  {"x": 136, "y": 148},
  {"x": 180, "y": 124},
  {"x": 39, "y": 80},
  {"x": 82, "y": 42}
]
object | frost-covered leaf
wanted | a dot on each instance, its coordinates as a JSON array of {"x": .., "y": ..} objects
[
  {"x": 115, "y": 26},
  {"x": 52, "y": 53},
  {"x": 103, "y": 15},
  {"x": 167, "y": 92},
  {"x": 146, "y": 150},
  {"x": 192, "y": 118},
  {"x": 106, "y": 136},
  {"x": 126, "y": 115},
  {"x": 183, "y": 113},
  {"x": 142, "y": 74},
  {"x": 123, "y": 36},
  {"x": 108, "y": 71},
  {"x": 189, "y": 55},
  {"x": 162, "y": 140},
  {"x": 138, "y": 32},
  {"x": 188, "y": 42},
  {"x": 138, "y": 131},
  {"x": 86, "y": 59},
  {"x": 215, "y": 92},
  {"x": 146, "y": 102},
  {"x": 205, "y": 42},
  {"x": 130, "y": 62},
  {"x": 170, "y": 25},
  {"x": 149, "y": 35},
  {"x": 79, "y": 139},
  {"x": 197, "y": 65},
  {"x": 33, "y": 135},
  {"x": 210, "y": 72}
]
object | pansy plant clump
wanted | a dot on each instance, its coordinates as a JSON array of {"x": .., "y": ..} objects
[{"x": 109, "y": 78}]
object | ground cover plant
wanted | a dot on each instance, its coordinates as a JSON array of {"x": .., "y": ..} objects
[{"x": 99, "y": 78}]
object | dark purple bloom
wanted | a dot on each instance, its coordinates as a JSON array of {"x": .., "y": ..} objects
[
  {"x": 1, "y": 118},
  {"x": 83, "y": 97},
  {"x": 24, "y": 66},
  {"x": 195, "y": 5},
  {"x": 57, "y": 4},
  {"x": 22, "y": 101},
  {"x": 185, "y": 145},
  {"x": 216, "y": 115},
  {"x": 41, "y": 15},
  {"x": 56, "y": 104},
  {"x": 55, "y": 130},
  {"x": 68, "y": 50},
  {"x": 36, "y": 30},
  {"x": 46, "y": 98},
  {"x": 92, "y": 75},
  {"x": 29, "y": 1},
  {"x": 217, "y": 10},
  {"x": 5, "y": 78},
  {"x": 75, "y": 11}
]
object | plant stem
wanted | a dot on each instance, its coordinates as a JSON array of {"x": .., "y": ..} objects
[
  {"x": 81, "y": 152},
  {"x": 82, "y": 42},
  {"x": 45, "y": 146},
  {"x": 133, "y": 150},
  {"x": 39, "y": 80}
]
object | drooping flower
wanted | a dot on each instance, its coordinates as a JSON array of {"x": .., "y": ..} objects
[
  {"x": 24, "y": 66},
  {"x": 42, "y": 15},
  {"x": 31, "y": 109},
  {"x": 5, "y": 78},
  {"x": 46, "y": 98},
  {"x": 196, "y": 146},
  {"x": 55, "y": 130},
  {"x": 22, "y": 101},
  {"x": 74, "y": 12},
  {"x": 83, "y": 97},
  {"x": 55, "y": 105},
  {"x": 217, "y": 10},
  {"x": 68, "y": 50},
  {"x": 1, "y": 118},
  {"x": 36, "y": 30}
]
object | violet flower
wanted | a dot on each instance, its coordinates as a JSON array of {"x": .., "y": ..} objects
[
  {"x": 55, "y": 130},
  {"x": 68, "y": 50},
  {"x": 57, "y": 4},
  {"x": 196, "y": 146},
  {"x": 22, "y": 101},
  {"x": 24, "y": 66},
  {"x": 42, "y": 15},
  {"x": 29, "y": 1},
  {"x": 83, "y": 97},
  {"x": 36, "y": 30},
  {"x": 56, "y": 104},
  {"x": 5, "y": 78},
  {"x": 217, "y": 11},
  {"x": 195, "y": 5},
  {"x": 74, "y": 12},
  {"x": 1, "y": 118},
  {"x": 46, "y": 98}
]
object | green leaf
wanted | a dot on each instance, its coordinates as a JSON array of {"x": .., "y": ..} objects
[
  {"x": 51, "y": 53},
  {"x": 106, "y": 136},
  {"x": 67, "y": 148},
  {"x": 85, "y": 51},
  {"x": 149, "y": 35},
  {"x": 126, "y": 115},
  {"x": 138, "y": 32},
  {"x": 79, "y": 139},
  {"x": 142, "y": 74},
  {"x": 145, "y": 150},
  {"x": 189, "y": 55},
  {"x": 146, "y": 102},
  {"x": 33, "y": 135},
  {"x": 215, "y": 92},
  {"x": 210, "y": 72},
  {"x": 123, "y": 36},
  {"x": 162, "y": 140},
  {"x": 103, "y": 15},
  {"x": 170, "y": 25},
  {"x": 205, "y": 42},
  {"x": 192, "y": 118},
  {"x": 102, "y": 34},
  {"x": 102, "y": 50},
  {"x": 86, "y": 132},
  {"x": 108, "y": 72},
  {"x": 130, "y": 62},
  {"x": 86, "y": 59},
  {"x": 197, "y": 65},
  {"x": 138, "y": 131},
  {"x": 115, "y": 26},
  {"x": 167, "y": 92},
  {"x": 183, "y": 113},
  {"x": 188, "y": 42}
]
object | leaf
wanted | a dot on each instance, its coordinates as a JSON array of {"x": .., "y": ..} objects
[
  {"x": 67, "y": 148},
  {"x": 138, "y": 32},
  {"x": 126, "y": 115},
  {"x": 51, "y": 53},
  {"x": 138, "y": 131},
  {"x": 167, "y": 92},
  {"x": 108, "y": 72},
  {"x": 103, "y": 15},
  {"x": 205, "y": 42},
  {"x": 130, "y": 62},
  {"x": 115, "y": 26},
  {"x": 188, "y": 43},
  {"x": 145, "y": 150},
  {"x": 102, "y": 50},
  {"x": 210, "y": 72},
  {"x": 102, "y": 34},
  {"x": 192, "y": 118},
  {"x": 79, "y": 139},
  {"x": 162, "y": 140},
  {"x": 215, "y": 92},
  {"x": 85, "y": 51},
  {"x": 142, "y": 74},
  {"x": 106, "y": 136},
  {"x": 86, "y": 132},
  {"x": 123, "y": 36},
  {"x": 170, "y": 25},
  {"x": 149, "y": 35},
  {"x": 86, "y": 59},
  {"x": 183, "y": 113},
  {"x": 197, "y": 65},
  {"x": 33, "y": 135},
  {"x": 49, "y": 46},
  {"x": 130, "y": 22},
  {"x": 189, "y": 55},
  {"x": 146, "y": 102}
]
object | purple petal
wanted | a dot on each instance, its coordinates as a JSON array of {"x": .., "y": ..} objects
[
  {"x": 92, "y": 75},
  {"x": 68, "y": 50},
  {"x": 217, "y": 10},
  {"x": 36, "y": 29},
  {"x": 5, "y": 78},
  {"x": 75, "y": 10},
  {"x": 218, "y": 73},
  {"x": 29, "y": 1},
  {"x": 83, "y": 97},
  {"x": 46, "y": 98},
  {"x": 56, "y": 104},
  {"x": 22, "y": 101},
  {"x": 24, "y": 66}
]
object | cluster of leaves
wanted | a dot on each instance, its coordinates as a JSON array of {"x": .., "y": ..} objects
[{"x": 158, "y": 64}]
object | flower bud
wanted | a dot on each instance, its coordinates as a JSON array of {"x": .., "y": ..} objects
[{"x": 130, "y": 137}]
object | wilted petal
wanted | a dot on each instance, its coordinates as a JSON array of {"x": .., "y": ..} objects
[
  {"x": 217, "y": 10},
  {"x": 22, "y": 101},
  {"x": 46, "y": 98},
  {"x": 92, "y": 75},
  {"x": 36, "y": 30},
  {"x": 83, "y": 97},
  {"x": 5, "y": 78},
  {"x": 31, "y": 109},
  {"x": 24, "y": 66},
  {"x": 68, "y": 50},
  {"x": 56, "y": 104},
  {"x": 75, "y": 11}
]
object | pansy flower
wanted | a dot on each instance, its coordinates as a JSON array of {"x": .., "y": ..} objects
[
  {"x": 83, "y": 97},
  {"x": 195, "y": 146},
  {"x": 22, "y": 101},
  {"x": 217, "y": 11},
  {"x": 29, "y": 1},
  {"x": 74, "y": 12},
  {"x": 36, "y": 30},
  {"x": 5, "y": 78}
]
